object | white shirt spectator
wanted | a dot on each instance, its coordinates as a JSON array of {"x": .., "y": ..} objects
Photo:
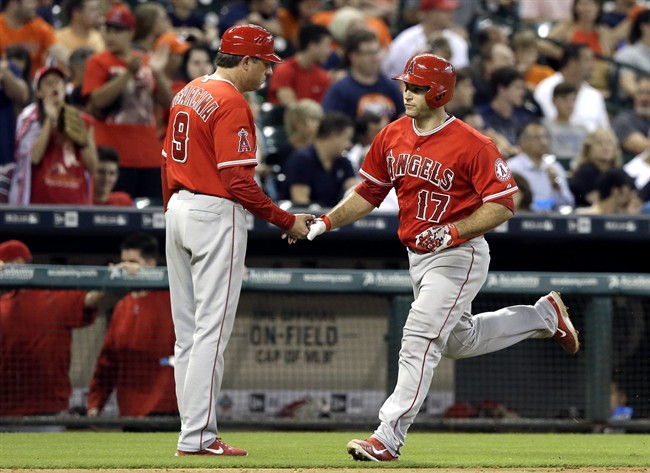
[
  {"x": 590, "y": 110},
  {"x": 413, "y": 40},
  {"x": 545, "y": 197}
]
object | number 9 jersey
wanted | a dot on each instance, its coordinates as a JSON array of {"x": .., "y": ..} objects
[
  {"x": 439, "y": 176},
  {"x": 211, "y": 127}
]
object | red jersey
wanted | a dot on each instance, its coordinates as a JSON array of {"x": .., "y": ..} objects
[
  {"x": 307, "y": 84},
  {"x": 129, "y": 125},
  {"x": 210, "y": 127},
  {"x": 440, "y": 176},
  {"x": 35, "y": 336},
  {"x": 133, "y": 358}
]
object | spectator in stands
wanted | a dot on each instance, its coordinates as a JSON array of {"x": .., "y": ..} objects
[
  {"x": 639, "y": 169},
  {"x": 123, "y": 87},
  {"x": 320, "y": 174},
  {"x": 600, "y": 153},
  {"x": 77, "y": 67},
  {"x": 196, "y": 62},
  {"x": 473, "y": 118},
  {"x": 492, "y": 58},
  {"x": 135, "y": 359},
  {"x": 536, "y": 11},
  {"x": 35, "y": 336},
  {"x": 151, "y": 22},
  {"x": 294, "y": 15},
  {"x": 300, "y": 122},
  {"x": 526, "y": 49},
  {"x": 635, "y": 54},
  {"x": 14, "y": 94},
  {"x": 614, "y": 194},
  {"x": 576, "y": 67},
  {"x": 633, "y": 126},
  {"x": 524, "y": 198},
  {"x": 364, "y": 88},
  {"x": 505, "y": 112},
  {"x": 464, "y": 92},
  {"x": 56, "y": 155},
  {"x": 547, "y": 179},
  {"x": 566, "y": 137},
  {"x": 106, "y": 174},
  {"x": 583, "y": 26},
  {"x": 82, "y": 30},
  {"x": 19, "y": 24},
  {"x": 189, "y": 23},
  {"x": 439, "y": 45},
  {"x": 263, "y": 13},
  {"x": 372, "y": 18},
  {"x": 20, "y": 57},
  {"x": 302, "y": 75},
  {"x": 434, "y": 16},
  {"x": 366, "y": 128}
]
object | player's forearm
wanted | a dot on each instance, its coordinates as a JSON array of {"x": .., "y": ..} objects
[
  {"x": 485, "y": 218},
  {"x": 42, "y": 140},
  {"x": 352, "y": 208}
]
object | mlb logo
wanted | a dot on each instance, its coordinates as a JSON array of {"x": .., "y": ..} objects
[
  {"x": 339, "y": 403},
  {"x": 257, "y": 402}
]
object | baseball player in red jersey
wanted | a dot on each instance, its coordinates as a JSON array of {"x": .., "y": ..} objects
[
  {"x": 208, "y": 183},
  {"x": 452, "y": 187}
]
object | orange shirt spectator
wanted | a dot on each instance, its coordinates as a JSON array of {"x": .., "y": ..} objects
[{"x": 20, "y": 25}]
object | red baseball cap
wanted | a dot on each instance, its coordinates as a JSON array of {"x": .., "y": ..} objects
[
  {"x": 45, "y": 70},
  {"x": 120, "y": 17},
  {"x": 438, "y": 5},
  {"x": 12, "y": 250}
]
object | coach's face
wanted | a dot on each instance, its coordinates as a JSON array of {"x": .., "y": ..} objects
[{"x": 257, "y": 71}]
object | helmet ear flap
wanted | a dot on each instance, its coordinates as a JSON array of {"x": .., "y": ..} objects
[{"x": 432, "y": 71}]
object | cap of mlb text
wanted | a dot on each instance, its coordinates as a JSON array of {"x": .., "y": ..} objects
[
  {"x": 12, "y": 250},
  {"x": 120, "y": 17},
  {"x": 438, "y": 5},
  {"x": 43, "y": 71}
]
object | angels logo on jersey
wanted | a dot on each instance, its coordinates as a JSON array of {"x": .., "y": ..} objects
[
  {"x": 244, "y": 145},
  {"x": 501, "y": 170}
]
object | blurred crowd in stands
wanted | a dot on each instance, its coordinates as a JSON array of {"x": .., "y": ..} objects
[{"x": 561, "y": 86}]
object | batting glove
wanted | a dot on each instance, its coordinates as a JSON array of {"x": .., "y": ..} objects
[
  {"x": 319, "y": 226},
  {"x": 437, "y": 238}
]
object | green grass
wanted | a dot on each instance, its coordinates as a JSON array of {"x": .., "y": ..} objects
[{"x": 325, "y": 450}]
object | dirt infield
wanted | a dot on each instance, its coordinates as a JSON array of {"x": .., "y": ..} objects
[{"x": 337, "y": 470}]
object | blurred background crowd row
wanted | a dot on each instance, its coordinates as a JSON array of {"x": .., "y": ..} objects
[{"x": 561, "y": 86}]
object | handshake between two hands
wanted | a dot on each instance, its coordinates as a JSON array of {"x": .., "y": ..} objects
[
  {"x": 307, "y": 227},
  {"x": 433, "y": 239}
]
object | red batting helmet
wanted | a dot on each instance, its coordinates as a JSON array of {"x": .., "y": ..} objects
[
  {"x": 429, "y": 70},
  {"x": 249, "y": 40}
]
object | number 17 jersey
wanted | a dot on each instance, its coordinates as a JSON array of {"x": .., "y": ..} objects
[{"x": 440, "y": 176}]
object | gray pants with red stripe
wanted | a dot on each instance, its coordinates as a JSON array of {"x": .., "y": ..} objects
[
  {"x": 205, "y": 247},
  {"x": 440, "y": 323}
]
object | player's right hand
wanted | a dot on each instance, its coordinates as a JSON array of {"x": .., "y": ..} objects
[
  {"x": 317, "y": 227},
  {"x": 300, "y": 228}
]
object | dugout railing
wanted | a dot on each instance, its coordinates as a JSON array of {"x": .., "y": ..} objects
[{"x": 318, "y": 349}]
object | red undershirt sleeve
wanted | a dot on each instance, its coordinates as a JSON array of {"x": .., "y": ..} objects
[{"x": 240, "y": 183}]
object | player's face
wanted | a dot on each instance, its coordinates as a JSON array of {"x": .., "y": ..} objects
[
  {"x": 134, "y": 256},
  {"x": 258, "y": 71},
  {"x": 414, "y": 101}
]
